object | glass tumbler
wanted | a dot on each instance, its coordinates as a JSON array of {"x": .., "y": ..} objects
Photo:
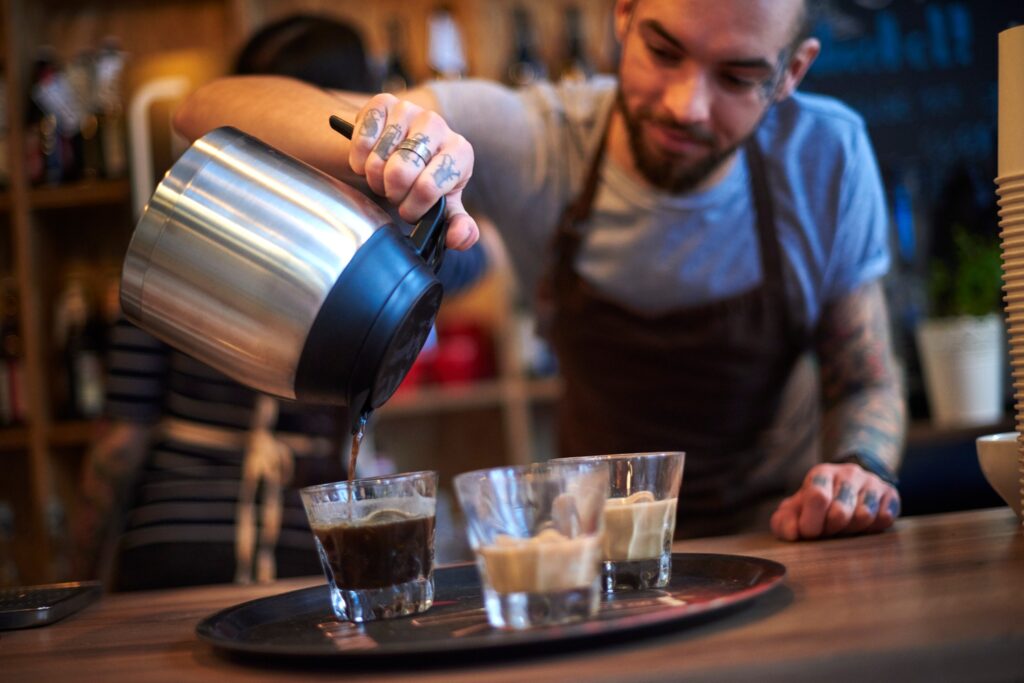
[
  {"x": 375, "y": 538},
  {"x": 639, "y": 518},
  {"x": 536, "y": 533}
]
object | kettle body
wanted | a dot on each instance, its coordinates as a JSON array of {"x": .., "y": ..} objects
[{"x": 280, "y": 276}]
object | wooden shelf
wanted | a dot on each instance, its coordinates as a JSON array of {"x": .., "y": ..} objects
[
  {"x": 925, "y": 432},
  {"x": 84, "y": 193},
  {"x": 72, "y": 434},
  {"x": 13, "y": 438},
  {"x": 430, "y": 399}
]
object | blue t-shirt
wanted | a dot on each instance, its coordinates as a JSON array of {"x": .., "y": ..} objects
[{"x": 652, "y": 251}]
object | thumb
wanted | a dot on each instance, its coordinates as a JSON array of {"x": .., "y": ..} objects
[{"x": 463, "y": 232}]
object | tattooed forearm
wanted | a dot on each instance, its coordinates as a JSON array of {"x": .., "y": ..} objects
[
  {"x": 446, "y": 172},
  {"x": 864, "y": 408}
]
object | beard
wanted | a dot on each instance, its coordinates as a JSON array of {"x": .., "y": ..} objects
[{"x": 666, "y": 172}]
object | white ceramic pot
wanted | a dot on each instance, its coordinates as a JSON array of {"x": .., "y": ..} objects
[{"x": 962, "y": 360}]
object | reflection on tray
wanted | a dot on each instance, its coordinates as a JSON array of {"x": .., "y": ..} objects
[{"x": 301, "y": 623}]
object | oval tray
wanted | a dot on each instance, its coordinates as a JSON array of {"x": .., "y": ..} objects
[{"x": 300, "y": 623}]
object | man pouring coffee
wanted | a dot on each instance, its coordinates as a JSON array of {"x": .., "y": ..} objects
[{"x": 706, "y": 243}]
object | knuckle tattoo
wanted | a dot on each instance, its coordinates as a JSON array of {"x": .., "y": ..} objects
[
  {"x": 845, "y": 495},
  {"x": 446, "y": 171},
  {"x": 371, "y": 124},
  {"x": 387, "y": 141}
]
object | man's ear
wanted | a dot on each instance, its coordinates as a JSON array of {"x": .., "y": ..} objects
[
  {"x": 623, "y": 17},
  {"x": 799, "y": 63}
]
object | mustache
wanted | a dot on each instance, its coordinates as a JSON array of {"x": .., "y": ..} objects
[{"x": 695, "y": 132}]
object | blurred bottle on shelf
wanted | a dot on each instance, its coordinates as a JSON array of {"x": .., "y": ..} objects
[
  {"x": 85, "y": 151},
  {"x": 396, "y": 75},
  {"x": 445, "y": 54},
  {"x": 536, "y": 358},
  {"x": 79, "y": 339},
  {"x": 13, "y": 406},
  {"x": 576, "y": 65},
  {"x": 9, "y": 575},
  {"x": 47, "y": 153},
  {"x": 108, "y": 108},
  {"x": 525, "y": 67}
]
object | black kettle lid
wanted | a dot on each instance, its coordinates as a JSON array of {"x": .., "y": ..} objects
[{"x": 376, "y": 318}]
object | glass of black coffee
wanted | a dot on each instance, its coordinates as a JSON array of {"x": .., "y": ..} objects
[{"x": 376, "y": 542}]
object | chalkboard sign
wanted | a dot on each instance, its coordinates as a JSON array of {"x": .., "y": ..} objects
[{"x": 923, "y": 75}]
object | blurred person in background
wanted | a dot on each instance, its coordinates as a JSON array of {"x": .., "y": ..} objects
[{"x": 195, "y": 477}]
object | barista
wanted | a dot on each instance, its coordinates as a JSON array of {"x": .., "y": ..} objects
[{"x": 707, "y": 242}]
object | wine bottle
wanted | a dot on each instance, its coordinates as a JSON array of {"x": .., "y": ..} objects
[
  {"x": 396, "y": 76},
  {"x": 525, "y": 67},
  {"x": 43, "y": 145},
  {"x": 79, "y": 335},
  {"x": 445, "y": 54},
  {"x": 108, "y": 107},
  {"x": 576, "y": 66}
]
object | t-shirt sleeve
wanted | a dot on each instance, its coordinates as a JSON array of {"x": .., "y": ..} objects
[
  {"x": 861, "y": 252},
  {"x": 501, "y": 125}
]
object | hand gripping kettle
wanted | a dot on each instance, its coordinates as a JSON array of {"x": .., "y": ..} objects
[{"x": 282, "y": 277}]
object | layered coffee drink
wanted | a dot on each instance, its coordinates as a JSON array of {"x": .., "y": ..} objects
[
  {"x": 638, "y": 541},
  {"x": 545, "y": 563},
  {"x": 638, "y": 527}
]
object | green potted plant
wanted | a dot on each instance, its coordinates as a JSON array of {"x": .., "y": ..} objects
[{"x": 961, "y": 344}]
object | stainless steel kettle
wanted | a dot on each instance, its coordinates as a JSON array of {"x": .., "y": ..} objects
[{"x": 282, "y": 277}]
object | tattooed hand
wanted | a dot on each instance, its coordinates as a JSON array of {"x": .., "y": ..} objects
[
  {"x": 433, "y": 162},
  {"x": 836, "y": 499}
]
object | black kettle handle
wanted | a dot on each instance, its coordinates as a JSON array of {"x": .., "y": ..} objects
[{"x": 428, "y": 236}]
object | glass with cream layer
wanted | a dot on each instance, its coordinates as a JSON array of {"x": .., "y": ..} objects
[
  {"x": 536, "y": 532},
  {"x": 639, "y": 518}
]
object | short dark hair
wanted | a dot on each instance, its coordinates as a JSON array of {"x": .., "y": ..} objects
[
  {"x": 805, "y": 20},
  {"x": 317, "y": 49}
]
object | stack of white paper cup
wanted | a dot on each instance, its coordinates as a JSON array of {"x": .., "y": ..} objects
[{"x": 1010, "y": 189}]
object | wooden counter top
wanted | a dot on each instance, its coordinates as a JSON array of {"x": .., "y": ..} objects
[{"x": 937, "y": 598}]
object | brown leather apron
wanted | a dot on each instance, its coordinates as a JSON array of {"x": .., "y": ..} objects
[{"x": 704, "y": 379}]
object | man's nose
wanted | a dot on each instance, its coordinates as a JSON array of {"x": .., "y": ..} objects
[{"x": 688, "y": 96}]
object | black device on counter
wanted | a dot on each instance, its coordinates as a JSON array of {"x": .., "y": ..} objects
[{"x": 28, "y": 606}]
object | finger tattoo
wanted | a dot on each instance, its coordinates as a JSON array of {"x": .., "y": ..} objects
[
  {"x": 387, "y": 141},
  {"x": 446, "y": 172},
  {"x": 371, "y": 123},
  {"x": 871, "y": 501},
  {"x": 820, "y": 480},
  {"x": 845, "y": 495}
]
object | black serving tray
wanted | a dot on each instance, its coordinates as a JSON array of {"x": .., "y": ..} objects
[{"x": 300, "y": 624}]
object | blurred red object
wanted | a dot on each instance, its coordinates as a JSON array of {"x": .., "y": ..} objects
[
  {"x": 465, "y": 353},
  {"x": 422, "y": 370}
]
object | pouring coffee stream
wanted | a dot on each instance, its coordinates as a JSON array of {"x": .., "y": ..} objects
[{"x": 282, "y": 277}]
